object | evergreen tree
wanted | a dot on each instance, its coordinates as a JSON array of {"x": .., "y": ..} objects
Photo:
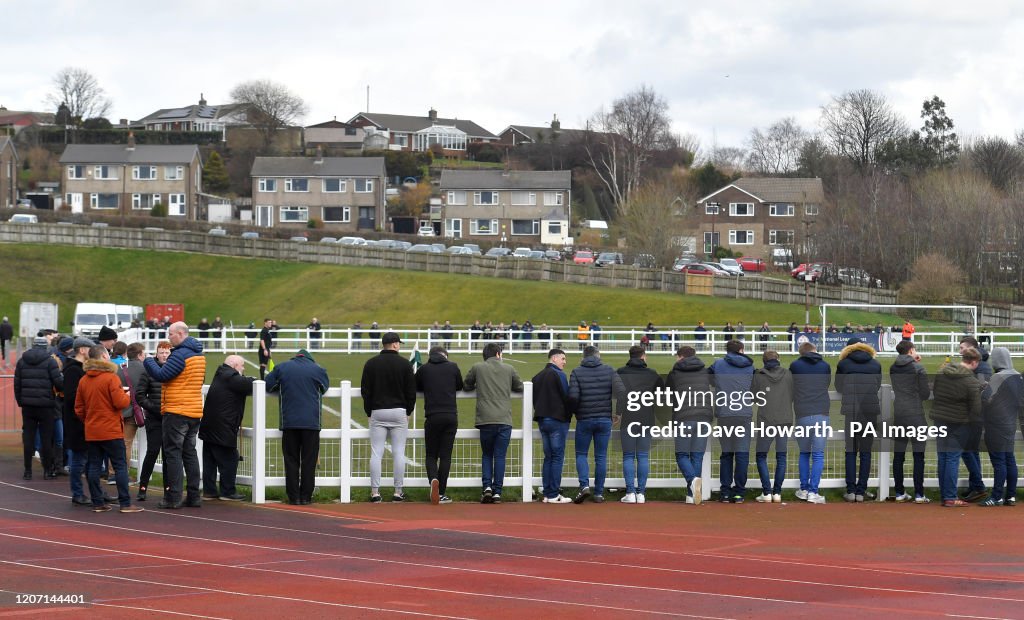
[{"x": 215, "y": 174}]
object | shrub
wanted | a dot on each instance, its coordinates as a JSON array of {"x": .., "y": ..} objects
[
  {"x": 935, "y": 280},
  {"x": 158, "y": 210}
]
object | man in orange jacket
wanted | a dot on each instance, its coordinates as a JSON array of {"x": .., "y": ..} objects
[{"x": 98, "y": 403}]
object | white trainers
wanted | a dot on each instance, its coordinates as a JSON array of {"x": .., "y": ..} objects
[
  {"x": 903, "y": 498},
  {"x": 921, "y": 499},
  {"x": 697, "y": 496},
  {"x": 802, "y": 494},
  {"x": 690, "y": 500},
  {"x": 559, "y": 499},
  {"x": 641, "y": 498},
  {"x": 628, "y": 498},
  {"x": 815, "y": 498},
  {"x": 764, "y": 498},
  {"x": 776, "y": 498}
]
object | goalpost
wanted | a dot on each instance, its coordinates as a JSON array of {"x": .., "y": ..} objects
[{"x": 938, "y": 328}]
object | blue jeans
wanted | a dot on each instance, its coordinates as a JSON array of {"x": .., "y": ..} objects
[
  {"x": 812, "y": 453},
  {"x": 600, "y": 431},
  {"x": 761, "y": 458},
  {"x": 76, "y": 465},
  {"x": 1004, "y": 467},
  {"x": 494, "y": 440},
  {"x": 553, "y": 433},
  {"x": 735, "y": 458},
  {"x": 857, "y": 477},
  {"x": 949, "y": 449},
  {"x": 690, "y": 453},
  {"x": 635, "y": 467},
  {"x": 113, "y": 449}
]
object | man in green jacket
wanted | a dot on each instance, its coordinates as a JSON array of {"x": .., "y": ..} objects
[
  {"x": 957, "y": 404},
  {"x": 494, "y": 381}
]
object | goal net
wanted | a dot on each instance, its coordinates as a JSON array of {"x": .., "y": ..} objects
[{"x": 936, "y": 329}]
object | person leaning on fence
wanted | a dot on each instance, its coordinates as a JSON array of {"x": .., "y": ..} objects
[
  {"x": 733, "y": 374},
  {"x": 1002, "y": 403},
  {"x": 689, "y": 380},
  {"x": 315, "y": 332},
  {"x": 774, "y": 383},
  {"x": 910, "y": 389},
  {"x": 636, "y": 443},
  {"x": 388, "y": 388},
  {"x": 440, "y": 380},
  {"x": 37, "y": 379},
  {"x": 908, "y": 330},
  {"x": 74, "y": 430},
  {"x": 301, "y": 383},
  {"x": 551, "y": 411},
  {"x": 811, "y": 378},
  {"x": 858, "y": 379},
  {"x": 222, "y": 417},
  {"x": 594, "y": 388},
  {"x": 148, "y": 394},
  {"x": 956, "y": 404},
  {"x": 582, "y": 335},
  {"x": 494, "y": 381},
  {"x": 971, "y": 454},
  {"x": 527, "y": 330}
]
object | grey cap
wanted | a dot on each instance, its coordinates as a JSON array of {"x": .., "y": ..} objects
[
  {"x": 82, "y": 342},
  {"x": 40, "y": 341}
]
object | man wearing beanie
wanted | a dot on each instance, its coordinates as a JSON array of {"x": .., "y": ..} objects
[{"x": 36, "y": 379}]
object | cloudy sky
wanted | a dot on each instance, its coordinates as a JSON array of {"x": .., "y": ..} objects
[{"x": 724, "y": 67}]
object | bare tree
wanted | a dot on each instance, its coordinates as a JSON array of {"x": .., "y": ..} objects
[
  {"x": 776, "y": 150},
  {"x": 857, "y": 122},
  {"x": 999, "y": 160},
  {"x": 654, "y": 217},
  {"x": 624, "y": 137},
  {"x": 81, "y": 95},
  {"x": 271, "y": 107}
]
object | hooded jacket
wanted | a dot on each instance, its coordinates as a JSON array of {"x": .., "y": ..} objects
[
  {"x": 182, "y": 376},
  {"x": 733, "y": 374},
  {"x": 957, "y": 396},
  {"x": 36, "y": 377},
  {"x": 148, "y": 395},
  {"x": 637, "y": 377},
  {"x": 775, "y": 383},
  {"x": 984, "y": 369},
  {"x": 99, "y": 401},
  {"x": 74, "y": 430},
  {"x": 551, "y": 394},
  {"x": 1002, "y": 402},
  {"x": 690, "y": 380},
  {"x": 388, "y": 383},
  {"x": 811, "y": 378},
  {"x": 858, "y": 379},
  {"x": 493, "y": 381},
  {"x": 301, "y": 383},
  {"x": 440, "y": 380},
  {"x": 6, "y": 331},
  {"x": 910, "y": 388},
  {"x": 224, "y": 406},
  {"x": 593, "y": 386}
]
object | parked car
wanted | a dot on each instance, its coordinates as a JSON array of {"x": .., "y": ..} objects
[
  {"x": 701, "y": 269},
  {"x": 423, "y": 248},
  {"x": 218, "y": 232},
  {"x": 538, "y": 254},
  {"x": 24, "y": 218},
  {"x": 522, "y": 252},
  {"x": 553, "y": 255},
  {"x": 250, "y": 235},
  {"x": 858, "y": 277},
  {"x": 608, "y": 258},
  {"x": 647, "y": 261},
  {"x": 401, "y": 245},
  {"x": 498, "y": 252},
  {"x": 729, "y": 271},
  {"x": 328, "y": 240},
  {"x": 440, "y": 247},
  {"x": 472, "y": 246},
  {"x": 426, "y": 231},
  {"x": 25, "y": 203},
  {"x": 352, "y": 241},
  {"x": 583, "y": 257},
  {"x": 752, "y": 264},
  {"x": 298, "y": 239},
  {"x": 815, "y": 271},
  {"x": 680, "y": 263},
  {"x": 731, "y": 265}
]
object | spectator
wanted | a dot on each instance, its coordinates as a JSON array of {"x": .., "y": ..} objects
[
  {"x": 689, "y": 377},
  {"x": 265, "y": 347},
  {"x": 593, "y": 388},
  {"x": 858, "y": 379},
  {"x": 848, "y": 328},
  {"x": 775, "y": 383},
  {"x": 741, "y": 331},
  {"x": 250, "y": 334},
  {"x": 6, "y": 335},
  {"x": 956, "y": 404},
  {"x": 315, "y": 333},
  {"x": 357, "y": 335},
  {"x": 182, "y": 377},
  {"x": 222, "y": 417},
  {"x": 74, "y": 430},
  {"x": 910, "y": 388},
  {"x": 493, "y": 381},
  {"x": 582, "y": 335},
  {"x": 476, "y": 331},
  {"x": 1002, "y": 403},
  {"x": 132, "y": 372},
  {"x": 971, "y": 454},
  {"x": 765, "y": 332},
  {"x": 374, "y": 332},
  {"x": 552, "y": 412},
  {"x": 544, "y": 338},
  {"x": 832, "y": 329},
  {"x": 148, "y": 394},
  {"x": 908, "y": 330},
  {"x": 389, "y": 397},
  {"x": 700, "y": 334},
  {"x": 514, "y": 330},
  {"x": 440, "y": 380},
  {"x": 37, "y": 379},
  {"x": 204, "y": 329},
  {"x": 301, "y": 383},
  {"x": 595, "y": 331},
  {"x": 636, "y": 450},
  {"x": 446, "y": 334},
  {"x": 733, "y": 374},
  {"x": 218, "y": 327},
  {"x": 107, "y": 337},
  {"x": 527, "y": 334},
  {"x": 811, "y": 378}
]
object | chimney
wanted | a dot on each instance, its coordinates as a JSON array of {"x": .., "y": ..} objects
[
  {"x": 556, "y": 125},
  {"x": 131, "y": 141},
  {"x": 432, "y": 115},
  {"x": 202, "y": 100},
  {"x": 319, "y": 155},
  {"x": 123, "y": 122}
]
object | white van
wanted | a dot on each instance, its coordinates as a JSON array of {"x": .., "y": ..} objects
[
  {"x": 127, "y": 314},
  {"x": 91, "y": 316}
]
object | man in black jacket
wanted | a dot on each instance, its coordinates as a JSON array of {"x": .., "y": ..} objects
[
  {"x": 439, "y": 380},
  {"x": 634, "y": 431},
  {"x": 36, "y": 380},
  {"x": 388, "y": 388},
  {"x": 74, "y": 430},
  {"x": 551, "y": 411},
  {"x": 6, "y": 334},
  {"x": 222, "y": 417},
  {"x": 858, "y": 379}
]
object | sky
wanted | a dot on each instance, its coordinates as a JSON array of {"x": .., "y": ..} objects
[{"x": 724, "y": 67}]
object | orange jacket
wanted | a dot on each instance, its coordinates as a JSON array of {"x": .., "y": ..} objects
[
  {"x": 582, "y": 332},
  {"x": 99, "y": 401},
  {"x": 908, "y": 330},
  {"x": 182, "y": 376}
]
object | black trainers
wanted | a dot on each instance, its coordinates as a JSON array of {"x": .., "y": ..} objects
[
  {"x": 375, "y": 499},
  {"x": 487, "y": 497},
  {"x": 234, "y": 497},
  {"x": 27, "y": 475},
  {"x": 496, "y": 498},
  {"x": 444, "y": 499},
  {"x": 141, "y": 497},
  {"x": 398, "y": 497},
  {"x": 597, "y": 499},
  {"x": 975, "y": 496},
  {"x": 169, "y": 505},
  {"x": 1010, "y": 501},
  {"x": 80, "y": 501},
  {"x": 582, "y": 495}
]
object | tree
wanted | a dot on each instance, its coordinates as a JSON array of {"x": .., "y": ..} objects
[
  {"x": 708, "y": 178},
  {"x": 776, "y": 150},
  {"x": 215, "y": 174},
  {"x": 938, "y": 132},
  {"x": 80, "y": 95},
  {"x": 271, "y": 107},
  {"x": 652, "y": 219},
  {"x": 624, "y": 137},
  {"x": 411, "y": 200},
  {"x": 1001, "y": 162},
  {"x": 857, "y": 123},
  {"x": 936, "y": 280}
]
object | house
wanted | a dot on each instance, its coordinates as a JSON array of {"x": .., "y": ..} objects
[
  {"x": 757, "y": 215},
  {"x": 519, "y": 135},
  {"x": 520, "y": 207},
  {"x": 125, "y": 178},
  {"x": 197, "y": 117},
  {"x": 421, "y": 133},
  {"x": 334, "y": 134},
  {"x": 13, "y": 122},
  {"x": 346, "y": 194},
  {"x": 8, "y": 173}
]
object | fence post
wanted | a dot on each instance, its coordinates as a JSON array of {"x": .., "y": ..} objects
[
  {"x": 259, "y": 442},
  {"x": 345, "y": 450},
  {"x": 526, "y": 453},
  {"x": 884, "y": 455}
]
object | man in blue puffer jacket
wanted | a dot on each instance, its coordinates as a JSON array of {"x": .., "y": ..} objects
[
  {"x": 733, "y": 374},
  {"x": 592, "y": 386},
  {"x": 811, "y": 378}
]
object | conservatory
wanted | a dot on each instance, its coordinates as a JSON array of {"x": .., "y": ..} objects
[{"x": 449, "y": 137}]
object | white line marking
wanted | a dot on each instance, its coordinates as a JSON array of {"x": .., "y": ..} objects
[{"x": 159, "y": 611}]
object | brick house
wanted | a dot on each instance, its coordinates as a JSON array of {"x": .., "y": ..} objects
[
  {"x": 8, "y": 173},
  {"x": 421, "y": 133}
]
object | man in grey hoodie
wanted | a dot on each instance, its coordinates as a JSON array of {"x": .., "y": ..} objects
[
  {"x": 1002, "y": 403},
  {"x": 910, "y": 386},
  {"x": 774, "y": 383}
]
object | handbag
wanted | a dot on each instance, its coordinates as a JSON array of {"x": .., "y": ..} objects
[{"x": 137, "y": 411}]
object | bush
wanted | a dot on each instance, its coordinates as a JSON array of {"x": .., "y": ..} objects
[
  {"x": 934, "y": 280},
  {"x": 158, "y": 210},
  {"x": 313, "y": 223}
]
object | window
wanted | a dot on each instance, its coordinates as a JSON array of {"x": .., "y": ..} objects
[
  {"x": 780, "y": 237},
  {"x": 811, "y": 210},
  {"x": 781, "y": 210},
  {"x": 485, "y": 198},
  {"x": 483, "y": 227},
  {"x": 296, "y": 185},
  {"x": 338, "y": 214},
  {"x": 144, "y": 173},
  {"x": 741, "y": 209},
  {"x": 554, "y": 228},
  {"x": 103, "y": 201},
  {"x": 364, "y": 186},
  {"x": 268, "y": 185},
  {"x": 333, "y": 186},
  {"x": 76, "y": 172},
  {"x": 106, "y": 173},
  {"x": 144, "y": 201},
  {"x": 176, "y": 205},
  {"x": 456, "y": 198},
  {"x": 525, "y": 227},
  {"x": 350, "y": 131},
  {"x": 453, "y": 228},
  {"x": 294, "y": 214},
  {"x": 741, "y": 237},
  {"x": 553, "y": 199},
  {"x": 401, "y": 139},
  {"x": 524, "y": 198},
  {"x": 174, "y": 173},
  {"x": 711, "y": 208}
]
